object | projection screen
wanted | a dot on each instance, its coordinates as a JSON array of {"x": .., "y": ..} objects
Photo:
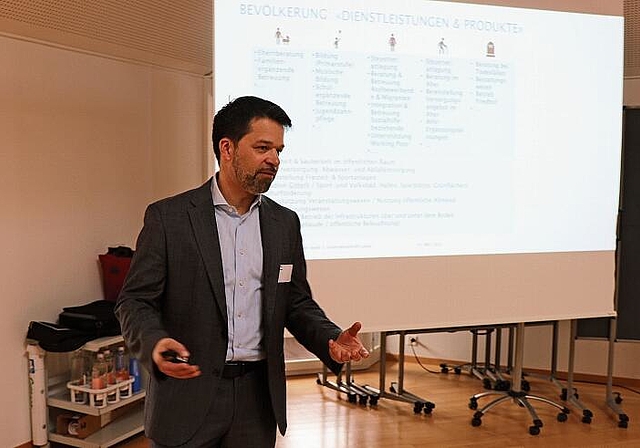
[{"x": 452, "y": 164}]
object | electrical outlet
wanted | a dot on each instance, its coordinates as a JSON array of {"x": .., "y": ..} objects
[{"x": 413, "y": 340}]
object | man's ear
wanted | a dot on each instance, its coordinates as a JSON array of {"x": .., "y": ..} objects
[{"x": 226, "y": 147}]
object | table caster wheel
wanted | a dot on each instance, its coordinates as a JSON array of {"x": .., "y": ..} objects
[
  {"x": 562, "y": 417},
  {"x": 563, "y": 395},
  {"x": 534, "y": 430},
  {"x": 476, "y": 422},
  {"x": 624, "y": 421},
  {"x": 428, "y": 407}
]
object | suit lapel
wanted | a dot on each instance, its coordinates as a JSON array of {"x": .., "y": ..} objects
[
  {"x": 270, "y": 258},
  {"x": 203, "y": 221}
]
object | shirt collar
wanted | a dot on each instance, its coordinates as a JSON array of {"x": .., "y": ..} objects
[{"x": 220, "y": 201}]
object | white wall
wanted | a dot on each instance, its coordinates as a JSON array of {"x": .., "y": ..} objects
[{"x": 87, "y": 142}]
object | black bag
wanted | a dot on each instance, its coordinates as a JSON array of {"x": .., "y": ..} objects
[
  {"x": 96, "y": 318},
  {"x": 54, "y": 338}
]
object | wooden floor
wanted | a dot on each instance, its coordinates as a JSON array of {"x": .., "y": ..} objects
[{"x": 320, "y": 417}]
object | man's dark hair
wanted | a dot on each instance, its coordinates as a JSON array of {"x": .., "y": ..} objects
[{"x": 234, "y": 120}]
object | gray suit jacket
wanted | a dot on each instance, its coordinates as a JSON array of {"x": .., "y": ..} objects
[{"x": 175, "y": 288}]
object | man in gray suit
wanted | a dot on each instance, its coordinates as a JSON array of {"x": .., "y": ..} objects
[{"x": 218, "y": 274}]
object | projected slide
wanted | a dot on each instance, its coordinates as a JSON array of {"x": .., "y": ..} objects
[{"x": 433, "y": 128}]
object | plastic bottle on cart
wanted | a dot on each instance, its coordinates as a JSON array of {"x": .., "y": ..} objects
[
  {"x": 79, "y": 375},
  {"x": 110, "y": 372},
  {"x": 110, "y": 376},
  {"x": 98, "y": 380},
  {"x": 122, "y": 372},
  {"x": 98, "y": 372},
  {"x": 134, "y": 370}
]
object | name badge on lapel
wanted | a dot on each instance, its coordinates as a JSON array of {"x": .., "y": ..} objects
[{"x": 285, "y": 273}]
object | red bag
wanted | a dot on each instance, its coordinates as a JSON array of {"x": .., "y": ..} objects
[{"x": 115, "y": 265}]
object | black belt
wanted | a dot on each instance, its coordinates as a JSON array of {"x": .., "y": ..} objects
[{"x": 238, "y": 368}]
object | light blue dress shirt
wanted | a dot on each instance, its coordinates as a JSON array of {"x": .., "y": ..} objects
[{"x": 241, "y": 247}]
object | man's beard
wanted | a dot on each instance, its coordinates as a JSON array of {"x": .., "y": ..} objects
[{"x": 253, "y": 182}]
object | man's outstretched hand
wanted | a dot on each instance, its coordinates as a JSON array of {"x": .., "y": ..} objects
[
  {"x": 180, "y": 370},
  {"x": 347, "y": 346}
]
